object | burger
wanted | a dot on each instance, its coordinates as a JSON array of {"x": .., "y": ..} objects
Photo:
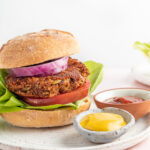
[{"x": 40, "y": 84}]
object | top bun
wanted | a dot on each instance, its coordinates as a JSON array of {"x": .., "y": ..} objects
[{"x": 37, "y": 47}]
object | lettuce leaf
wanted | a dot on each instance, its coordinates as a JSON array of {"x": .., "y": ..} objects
[
  {"x": 144, "y": 47},
  {"x": 10, "y": 102},
  {"x": 3, "y": 74},
  {"x": 96, "y": 74},
  {"x": 9, "y": 109}
]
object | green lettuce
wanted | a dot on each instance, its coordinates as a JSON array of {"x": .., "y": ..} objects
[
  {"x": 144, "y": 47},
  {"x": 9, "y": 102},
  {"x": 96, "y": 74}
]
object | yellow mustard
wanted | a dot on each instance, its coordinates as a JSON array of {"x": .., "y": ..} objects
[{"x": 102, "y": 122}]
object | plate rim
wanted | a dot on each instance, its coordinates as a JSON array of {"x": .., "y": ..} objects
[{"x": 142, "y": 135}]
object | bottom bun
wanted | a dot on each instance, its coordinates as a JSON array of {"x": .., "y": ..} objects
[{"x": 39, "y": 118}]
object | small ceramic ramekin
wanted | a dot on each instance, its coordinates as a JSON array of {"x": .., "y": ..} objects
[
  {"x": 138, "y": 109},
  {"x": 104, "y": 136}
]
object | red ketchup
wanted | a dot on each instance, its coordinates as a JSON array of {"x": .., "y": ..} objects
[{"x": 124, "y": 100}]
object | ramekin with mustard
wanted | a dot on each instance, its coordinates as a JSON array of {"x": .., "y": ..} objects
[{"x": 103, "y": 125}]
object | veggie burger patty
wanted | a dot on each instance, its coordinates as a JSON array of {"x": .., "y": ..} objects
[{"x": 48, "y": 86}]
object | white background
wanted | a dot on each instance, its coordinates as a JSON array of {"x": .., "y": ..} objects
[{"x": 106, "y": 29}]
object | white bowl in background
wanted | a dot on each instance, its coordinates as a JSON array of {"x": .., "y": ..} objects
[{"x": 141, "y": 73}]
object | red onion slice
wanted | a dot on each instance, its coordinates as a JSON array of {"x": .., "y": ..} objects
[{"x": 45, "y": 69}]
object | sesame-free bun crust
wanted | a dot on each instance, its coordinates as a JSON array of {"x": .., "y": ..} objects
[
  {"x": 39, "y": 118},
  {"x": 37, "y": 47}
]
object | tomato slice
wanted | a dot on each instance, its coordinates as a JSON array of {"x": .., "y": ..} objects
[{"x": 65, "y": 98}]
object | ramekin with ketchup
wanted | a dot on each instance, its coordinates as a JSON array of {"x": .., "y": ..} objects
[{"x": 134, "y": 100}]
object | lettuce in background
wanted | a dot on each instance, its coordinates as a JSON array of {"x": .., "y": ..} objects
[
  {"x": 144, "y": 47},
  {"x": 10, "y": 102}
]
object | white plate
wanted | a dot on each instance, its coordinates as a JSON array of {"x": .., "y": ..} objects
[
  {"x": 141, "y": 73},
  {"x": 12, "y": 138}
]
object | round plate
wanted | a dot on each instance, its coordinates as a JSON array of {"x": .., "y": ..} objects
[
  {"x": 66, "y": 137},
  {"x": 141, "y": 73}
]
